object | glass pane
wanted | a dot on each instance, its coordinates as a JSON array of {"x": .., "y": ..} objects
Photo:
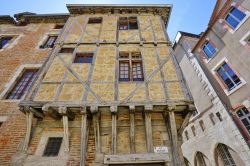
[
  {"x": 207, "y": 52},
  {"x": 232, "y": 21},
  {"x": 238, "y": 14}
]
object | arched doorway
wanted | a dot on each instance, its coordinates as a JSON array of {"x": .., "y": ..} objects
[
  {"x": 201, "y": 160},
  {"x": 226, "y": 156}
]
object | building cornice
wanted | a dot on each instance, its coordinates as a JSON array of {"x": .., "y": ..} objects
[{"x": 163, "y": 10}]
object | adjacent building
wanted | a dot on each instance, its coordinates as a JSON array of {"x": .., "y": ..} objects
[
  {"x": 215, "y": 65},
  {"x": 98, "y": 86}
]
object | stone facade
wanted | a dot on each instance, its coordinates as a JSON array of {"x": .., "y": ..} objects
[
  {"x": 217, "y": 123},
  {"x": 104, "y": 121}
]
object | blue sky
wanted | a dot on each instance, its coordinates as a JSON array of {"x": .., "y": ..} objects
[{"x": 187, "y": 15}]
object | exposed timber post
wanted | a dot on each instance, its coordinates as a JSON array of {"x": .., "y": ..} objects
[
  {"x": 96, "y": 124},
  {"x": 63, "y": 112},
  {"x": 29, "y": 118},
  {"x": 148, "y": 125},
  {"x": 83, "y": 136},
  {"x": 172, "y": 131},
  {"x": 113, "y": 110},
  {"x": 132, "y": 128}
]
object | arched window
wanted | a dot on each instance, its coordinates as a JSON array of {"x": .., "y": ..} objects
[
  {"x": 200, "y": 160},
  {"x": 225, "y": 155},
  {"x": 244, "y": 116}
]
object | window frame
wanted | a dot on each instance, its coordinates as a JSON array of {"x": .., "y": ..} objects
[
  {"x": 205, "y": 45},
  {"x": 24, "y": 90},
  {"x": 16, "y": 76},
  {"x": 58, "y": 26},
  {"x": 234, "y": 17},
  {"x": 131, "y": 59},
  {"x": 47, "y": 150},
  {"x": 84, "y": 55},
  {"x": 128, "y": 20},
  {"x": 95, "y": 20},
  {"x": 244, "y": 116},
  {"x": 45, "y": 44},
  {"x": 220, "y": 80},
  {"x": 6, "y": 44}
]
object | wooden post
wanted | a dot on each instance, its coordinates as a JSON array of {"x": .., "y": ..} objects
[
  {"x": 113, "y": 110},
  {"x": 147, "y": 111},
  {"x": 96, "y": 115},
  {"x": 171, "y": 126},
  {"x": 63, "y": 112},
  {"x": 83, "y": 137},
  {"x": 132, "y": 128},
  {"x": 29, "y": 118}
]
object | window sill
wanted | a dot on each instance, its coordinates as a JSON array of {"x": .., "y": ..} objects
[
  {"x": 130, "y": 82},
  {"x": 228, "y": 93}
]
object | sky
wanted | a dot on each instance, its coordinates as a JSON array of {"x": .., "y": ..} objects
[{"x": 187, "y": 15}]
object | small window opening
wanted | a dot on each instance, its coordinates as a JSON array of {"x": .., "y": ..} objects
[
  {"x": 95, "y": 20},
  {"x": 219, "y": 116},
  {"x": 4, "y": 41},
  {"x": 59, "y": 26},
  {"x": 84, "y": 58},
  {"x": 202, "y": 125},
  {"x": 193, "y": 130},
  {"x": 211, "y": 116},
  {"x": 67, "y": 50}
]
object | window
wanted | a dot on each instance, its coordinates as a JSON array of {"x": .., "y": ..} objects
[
  {"x": 193, "y": 130},
  {"x": 219, "y": 116},
  {"x": 234, "y": 17},
  {"x": 209, "y": 50},
  {"x": 186, "y": 134},
  {"x": 67, "y": 50},
  {"x": 128, "y": 23},
  {"x": 23, "y": 84},
  {"x": 228, "y": 76},
  {"x": 83, "y": 58},
  {"x": 59, "y": 26},
  {"x": 202, "y": 125},
  {"x": 211, "y": 116},
  {"x": 4, "y": 41},
  {"x": 130, "y": 66},
  {"x": 244, "y": 116},
  {"x": 225, "y": 155},
  {"x": 53, "y": 146},
  {"x": 49, "y": 42},
  {"x": 95, "y": 20}
]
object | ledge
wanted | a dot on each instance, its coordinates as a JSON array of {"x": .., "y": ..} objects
[{"x": 136, "y": 158}]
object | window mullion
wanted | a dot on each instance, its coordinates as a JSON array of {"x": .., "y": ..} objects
[{"x": 130, "y": 67}]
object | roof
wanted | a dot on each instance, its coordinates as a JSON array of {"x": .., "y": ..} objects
[
  {"x": 181, "y": 33},
  {"x": 163, "y": 10}
]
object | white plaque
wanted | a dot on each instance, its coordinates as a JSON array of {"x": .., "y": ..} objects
[{"x": 161, "y": 149}]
